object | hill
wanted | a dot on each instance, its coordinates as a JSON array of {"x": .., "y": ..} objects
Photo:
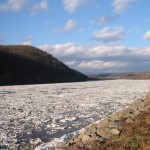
[
  {"x": 128, "y": 75},
  {"x": 22, "y": 64}
]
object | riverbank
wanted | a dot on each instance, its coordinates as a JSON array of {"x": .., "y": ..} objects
[{"x": 128, "y": 129}]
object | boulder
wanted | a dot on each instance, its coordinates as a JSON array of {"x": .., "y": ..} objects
[
  {"x": 115, "y": 131},
  {"x": 103, "y": 123},
  {"x": 104, "y": 132},
  {"x": 85, "y": 138},
  {"x": 147, "y": 120},
  {"x": 114, "y": 124},
  {"x": 129, "y": 120}
]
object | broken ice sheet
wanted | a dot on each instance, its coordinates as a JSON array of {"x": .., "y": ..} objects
[{"x": 40, "y": 113}]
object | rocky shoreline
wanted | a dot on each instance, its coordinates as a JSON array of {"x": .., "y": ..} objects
[{"x": 108, "y": 127}]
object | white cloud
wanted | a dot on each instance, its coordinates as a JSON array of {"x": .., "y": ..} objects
[
  {"x": 12, "y": 5},
  {"x": 17, "y": 5},
  {"x": 62, "y": 50},
  {"x": 121, "y": 5},
  {"x": 28, "y": 41},
  {"x": 107, "y": 51},
  {"x": 96, "y": 64},
  {"x": 70, "y": 63},
  {"x": 109, "y": 34},
  {"x": 100, "y": 58},
  {"x": 72, "y": 5},
  {"x": 143, "y": 52},
  {"x": 37, "y": 7},
  {"x": 147, "y": 35},
  {"x": 102, "y": 20},
  {"x": 73, "y": 52},
  {"x": 70, "y": 25}
]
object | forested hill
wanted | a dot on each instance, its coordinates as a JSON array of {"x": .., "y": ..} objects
[{"x": 22, "y": 64}]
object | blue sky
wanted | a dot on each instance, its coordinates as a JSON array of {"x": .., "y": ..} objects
[{"x": 92, "y": 36}]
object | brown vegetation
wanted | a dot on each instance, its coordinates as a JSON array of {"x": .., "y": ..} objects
[
  {"x": 137, "y": 76},
  {"x": 130, "y": 132},
  {"x": 134, "y": 136},
  {"x": 29, "y": 65},
  {"x": 128, "y": 75}
]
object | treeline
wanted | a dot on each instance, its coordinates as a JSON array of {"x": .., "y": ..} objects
[{"x": 29, "y": 65}]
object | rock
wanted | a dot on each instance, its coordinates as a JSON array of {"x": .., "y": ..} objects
[
  {"x": 115, "y": 131},
  {"x": 114, "y": 124},
  {"x": 85, "y": 138},
  {"x": 128, "y": 120},
  {"x": 75, "y": 139},
  {"x": 137, "y": 105},
  {"x": 147, "y": 120},
  {"x": 140, "y": 103},
  {"x": 146, "y": 101},
  {"x": 103, "y": 123},
  {"x": 91, "y": 130},
  {"x": 146, "y": 107},
  {"x": 80, "y": 136},
  {"x": 103, "y": 132},
  {"x": 116, "y": 116},
  {"x": 131, "y": 113},
  {"x": 127, "y": 111},
  {"x": 58, "y": 148}
]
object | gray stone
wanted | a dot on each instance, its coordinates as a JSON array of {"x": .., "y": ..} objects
[
  {"x": 114, "y": 124},
  {"x": 116, "y": 116},
  {"x": 85, "y": 138},
  {"x": 103, "y": 132},
  {"x": 103, "y": 123},
  {"x": 129, "y": 120},
  {"x": 115, "y": 131}
]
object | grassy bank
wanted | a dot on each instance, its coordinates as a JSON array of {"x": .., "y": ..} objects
[{"x": 126, "y": 130}]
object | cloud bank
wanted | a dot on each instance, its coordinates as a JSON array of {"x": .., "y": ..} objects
[
  {"x": 103, "y": 19},
  {"x": 108, "y": 34},
  {"x": 18, "y": 5},
  {"x": 147, "y": 35},
  {"x": 36, "y": 8},
  {"x": 101, "y": 58},
  {"x": 70, "y": 25},
  {"x": 72, "y": 5},
  {"x": 121, "y": 5},
  {"x": 12, "y": 5}
]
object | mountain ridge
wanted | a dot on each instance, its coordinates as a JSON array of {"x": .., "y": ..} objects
[{"x": 24, "y": 64}]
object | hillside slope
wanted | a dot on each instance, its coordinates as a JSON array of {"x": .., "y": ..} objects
[
  {"x": 22, "y": 64},
  {"x": 127, "y": 75}
]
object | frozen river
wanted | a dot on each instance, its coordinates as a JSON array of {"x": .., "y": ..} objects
[{"x": 52, "y": 110}]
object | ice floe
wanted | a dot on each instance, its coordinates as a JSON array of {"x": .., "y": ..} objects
[{"x": 51, "y": 113}]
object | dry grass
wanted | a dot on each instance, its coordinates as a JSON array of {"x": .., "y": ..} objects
[
  {"x": 133, "y": 136},
  {"x": 140, "y": 76}
]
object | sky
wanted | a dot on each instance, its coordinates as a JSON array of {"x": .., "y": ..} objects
[{"x": 91, "y": 36}]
